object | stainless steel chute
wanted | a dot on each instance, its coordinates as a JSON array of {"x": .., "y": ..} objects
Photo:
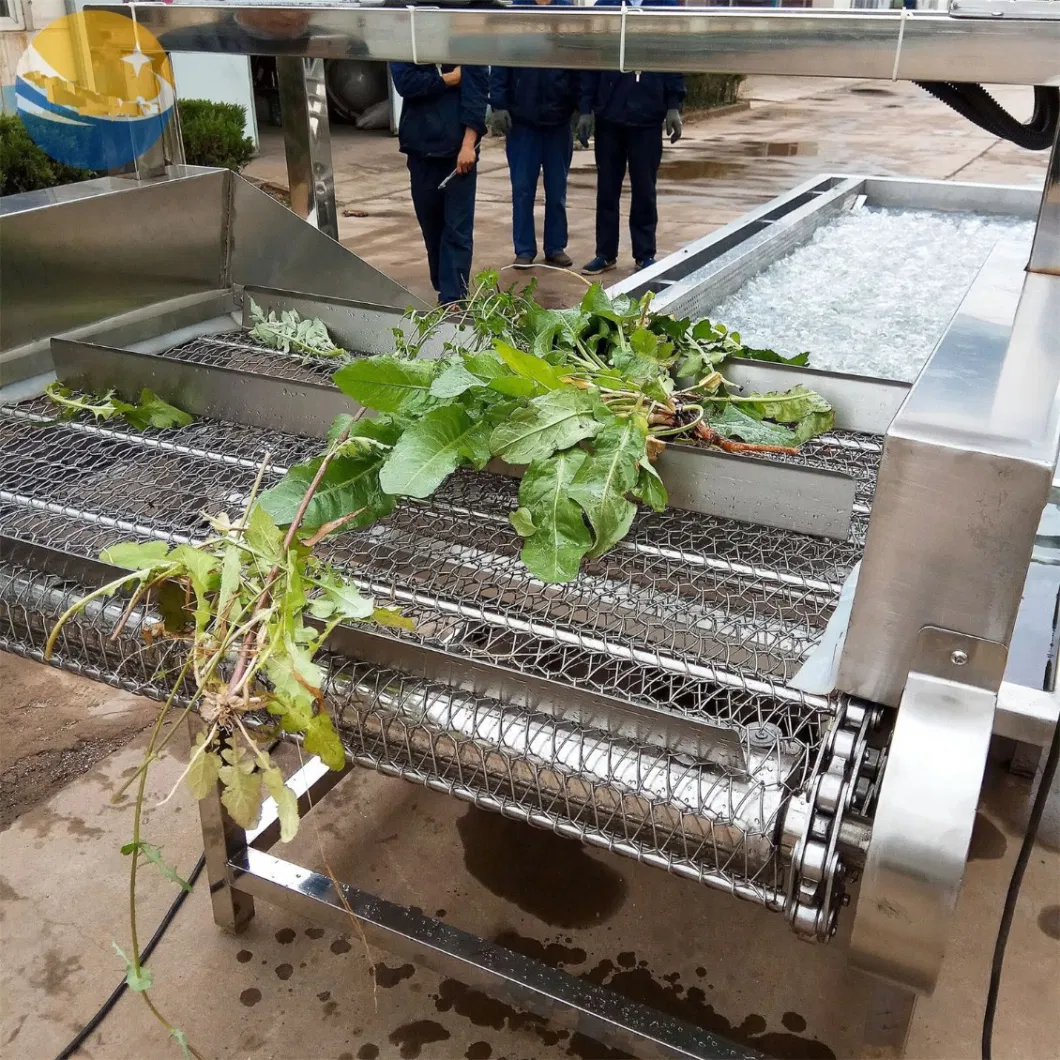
[{"x": 650, "y": 708}]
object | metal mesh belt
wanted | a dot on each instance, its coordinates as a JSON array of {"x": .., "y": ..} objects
[{"x": 702, "y": 618}]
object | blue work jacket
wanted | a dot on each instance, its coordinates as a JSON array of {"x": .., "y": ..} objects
[
  {"x": 434, "y": 115},
  {"x": 532, "y": 96},
  {"x": 626, "y": 99}
]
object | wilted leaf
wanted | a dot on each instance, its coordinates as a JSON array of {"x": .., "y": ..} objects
[
  {"x": 154, "y": 855},
  {"x": 347, "y": 601},
  {"x": 136, "y": 980},
  {"x": 263, "y": 535},
  {"x": 799, "y": 360},
  {"x": 393, "y": 618},
  {"x": 322, "y": 740},
  {"x": 388, "y": 384},
  {"x": 813, "y": 424},
  {"x": 182, "y": 1042},
  {"x": 203, "y": 770},
  {"x": 650, "y": 488},
  {"x": 152, "y": 411},
  {"x": 733, "y": 422},
  {"x": 554, "y": 552},
  {"x": 231, "y": 569},
  {"x": 200, "y": 566},
  {"x": 133, "y": 555},
  {"x": 241, "y": 794},
  {"x": 286, "y": 804},
  {"x": 784, "y": 406},
  {"x": 556, "y": 420}
]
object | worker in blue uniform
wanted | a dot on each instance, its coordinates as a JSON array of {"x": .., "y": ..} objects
[
  {"x": 630, "y": 111},
  {"x": 533, "y": 109},
  {"x": 443, "y": 116}
]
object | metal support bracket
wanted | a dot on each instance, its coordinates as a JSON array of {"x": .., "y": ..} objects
[
  {"x": 307, "y": 141},
  {"x": 926, "y": 809}
]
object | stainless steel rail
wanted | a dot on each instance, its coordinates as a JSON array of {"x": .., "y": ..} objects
[{"x": 894, "y": 46}]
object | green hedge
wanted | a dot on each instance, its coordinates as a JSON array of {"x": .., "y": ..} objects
[
  {"x": 24, "y": 166},
  {"x": 711, "y": 90},
  {"x": 212, "y": 133}
]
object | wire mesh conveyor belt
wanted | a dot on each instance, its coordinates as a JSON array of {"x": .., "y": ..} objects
[{"x": 694, "y": 618}]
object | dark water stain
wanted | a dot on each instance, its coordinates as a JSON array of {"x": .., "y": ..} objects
[
  {"x": 410, "y": 1038},
  {"x": 1049, "y": 921},
  {"x": 485, "y": 1011},
  {"x": 368, "y": 1051},
  {"x": 52, "y": 978},
  {"x": 315, "y": 932},
  {"x": 340, "y": 946},
  {"x": 701, "y": 971},
  {"x": 251, "y": 996},
  {"x": 627, "y": 959},
  {"x": 794, "y": 1022},
  {"x": 388, "y": 977},
  {"x": 284, "y": 971},
  {"x": 988, "y": 841},
  {"x": 638, "y": 984},
  {"x": 8, "y": 893},
  {"x": 581, "y": 1045},
  {"x": 324, "y": 995},
  {"x": 285, "y": 936},
  {"x": 330, "y": 1008},
  {"x": 243, "y": 956},
  {"x": 302, "y": 964},
  {"x": 682, "y": 169},
  {"x": 551, "y": 953},
  {"x": 867, "y": 91},
  {"x": 542, "y": 873},
  {"x": 479, "y": 1051},
  {"x": 438, "y": 914},
  {"x": 18, "y": 1030},
  {"x": 345, "y": 1056}
]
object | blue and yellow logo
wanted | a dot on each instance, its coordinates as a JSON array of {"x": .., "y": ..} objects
[{"x": 94, "y": 90}]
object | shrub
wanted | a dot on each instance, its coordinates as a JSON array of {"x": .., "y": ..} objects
[
  {"x": 213, "y": 134},
  {"x": 711, "y": 90},
  {"x": 24, "y": 166}
]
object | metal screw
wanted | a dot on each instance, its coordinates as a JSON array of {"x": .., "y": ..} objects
[{"x": 959, "y": 658}]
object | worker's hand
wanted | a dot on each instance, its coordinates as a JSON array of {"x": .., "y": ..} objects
[
  {"x": 502, "y": 122},
  {"x": 585, "y": 129},
  {"x": 673, "y": 125},
  {"x": 452, "y": 78},
  {"x": 465, "y": 161}
]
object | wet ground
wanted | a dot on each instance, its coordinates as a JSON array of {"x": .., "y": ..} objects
[{"x": 289, "y": 989}]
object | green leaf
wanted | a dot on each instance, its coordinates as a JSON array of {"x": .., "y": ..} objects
[
  {"x": 350, "y": 484},
  {"x": 322, "y": 740},
  {"x": 799, "y": 360},
  {"x": 555, "y": 551},
  {"x": 649, "y": 487},
  {"x": 784, "y": 406},
  {"x": 516, "y": 386},
  {"x": 152, "y": 411},
  {"x": 605, "y": 478},
  {"x": 454, "y": 381},
  {"x": 231, "y": 570},
  {"x": 263, "y": 535},
  {"x": 388, "y": 384},
  {"x": 644, "y": 343},
  {"x": 347, "y": 601},
  {"x": 735, "y": 423},
  {"x": 200, "y": 566},
  {"x": 485, "y": 366},
  {"x": 392, "y": 618},
  {"x": 203, "y": 770},
  {"x": 556, "y": 420},
  {"x": 523, "y": 521},
  {"x": 293, "y": 673},
  {"x": 136, "y": 980},
  {"x": 133, "y": 555},
  {"x": 154, "y": 855},
  {"x": 182, "y": 1042},
  {"x": 528, "y": 366},
  {"x": 339, "y": 424},
  {"x": 430, "y": 450},
  {"x": 598, "y": 304},
  {"x": 286, "y": 804},
  {"x": 813, "y": 424},
  {"x": 242, "y": 793}
]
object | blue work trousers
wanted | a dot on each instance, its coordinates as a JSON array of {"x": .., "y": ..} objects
[
  {"x": 447, "y": 221},
  {"x": 531, "y": 149},
  {"x": 638, "y": 148}
]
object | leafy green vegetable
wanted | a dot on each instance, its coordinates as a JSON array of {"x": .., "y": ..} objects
[
  {"x": 733, "y": 422},
  {"x": 431, "y": 449},
  {"x": 137, "y": 979},
  {"x": 556, "y": 420},
  {"x": 787, "y": 406},
  {"x": 289, "y": 331},
  {"x": 151, "y": 411},
  {"x": 388, "y": 384}
]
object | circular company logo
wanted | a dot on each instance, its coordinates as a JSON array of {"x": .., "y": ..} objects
[{"x": 94, "y": 90}]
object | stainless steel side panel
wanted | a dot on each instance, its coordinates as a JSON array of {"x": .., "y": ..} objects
[
  {"x": 107, "y": 247},
  {"x": 967, "y": 467}
]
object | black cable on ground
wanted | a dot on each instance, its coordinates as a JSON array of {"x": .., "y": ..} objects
[
  {"x": 120, "y": 989},
  {"x": 1037, "y": 809},
  {"x": 977, "y": 105}
]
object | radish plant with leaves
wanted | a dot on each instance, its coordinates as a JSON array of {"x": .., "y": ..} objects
[{"x": 584, "y": 399}]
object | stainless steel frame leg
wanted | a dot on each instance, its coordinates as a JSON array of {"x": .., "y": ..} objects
[
  {"x": 307, "y": 141},
  {"x": 222, "y": 839},
  {"x": 887, "y": 1021}
]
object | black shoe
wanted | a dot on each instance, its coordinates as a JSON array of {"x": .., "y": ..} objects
[
  {"x": 560, "y": 260},
  {"x": 523, "y": 261},
  {"x": 597, "y": 266}
]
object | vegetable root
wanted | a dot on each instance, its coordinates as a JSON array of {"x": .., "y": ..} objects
[{"x": 704, "y": 433}]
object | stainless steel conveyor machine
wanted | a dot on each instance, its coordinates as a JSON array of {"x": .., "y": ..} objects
[{"x": 652, "y": 707}]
